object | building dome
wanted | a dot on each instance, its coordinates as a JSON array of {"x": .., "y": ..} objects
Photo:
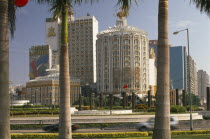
[{"x": 122, "y": 58}]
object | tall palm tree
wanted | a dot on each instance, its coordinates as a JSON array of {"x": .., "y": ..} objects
[
  {"x": 162, "y": 115},
  {"x": 7, "y": 20},
  {"x": 4, "y": 71},
  {"x": 61, "y": 8}
]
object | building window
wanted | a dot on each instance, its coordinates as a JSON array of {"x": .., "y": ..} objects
[
  {"x": 127, "y": 64},
  {"x": 126, "y": 41},
  {"x": 137, "y": 64},
  {"x": 116, "y": 53},
  {"x": 137, "y": 58},
  {"x": 115, "y": 47},
  {"x": 126, "y": 52},
  {"x": 127, "y": 58},
  {"x": 127, "y": 47},
  {"x": 137, "y": 53},
  {"x": 136, "y": 42}
]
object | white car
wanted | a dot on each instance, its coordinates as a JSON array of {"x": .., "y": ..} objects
[{"x": 149, "y": 125}]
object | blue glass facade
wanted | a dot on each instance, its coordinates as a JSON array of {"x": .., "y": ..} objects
[{"x": 178, "y": 69}]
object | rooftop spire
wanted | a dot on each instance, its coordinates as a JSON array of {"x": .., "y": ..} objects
[
  {"x": 121, "y": 21},
  {"x": 121, "y": 15}
]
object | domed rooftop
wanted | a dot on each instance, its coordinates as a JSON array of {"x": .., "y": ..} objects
[{"x": 121, "y": 27}]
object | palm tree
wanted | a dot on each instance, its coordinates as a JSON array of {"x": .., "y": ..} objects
[
  {"x": 61, "y": 8},
  {"x": 202, "y": 5},
  {"x": 7, "y": 20},
  {"x": 162, "y": 115},
  {"x": 4, "y": 71}
]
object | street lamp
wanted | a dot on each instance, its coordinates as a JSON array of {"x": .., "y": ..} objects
[{"x": 188, "y": 47}]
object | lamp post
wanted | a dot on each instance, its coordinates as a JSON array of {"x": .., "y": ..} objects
[{"x": 188, "y": 47}]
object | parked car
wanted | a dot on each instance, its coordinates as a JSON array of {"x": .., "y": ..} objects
[
  {"x": 149, "y": 125},
  {"x": 55, "y": 127}
]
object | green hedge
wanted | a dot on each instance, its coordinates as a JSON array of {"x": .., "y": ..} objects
[
  {"x": 177, "y": 109},
  {"x": 33, "y": 111},
  {"x": 26, "y": 127},
  {"x": 194, "y": 108},
  {"x": 78, "y": 135},
  {"x": 190, "y": 132},
  {"x": 38, "y": 126},
  {"x": 195, "y": 132},
  {"x": 101, "y": 135},
  {"x": 28, "y": 106}
]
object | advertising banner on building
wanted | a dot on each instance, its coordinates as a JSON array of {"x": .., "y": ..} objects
[{"x": 39, "y": 60}]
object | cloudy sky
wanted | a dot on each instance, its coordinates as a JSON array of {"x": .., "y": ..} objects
[{"x": 31, "y": 29}]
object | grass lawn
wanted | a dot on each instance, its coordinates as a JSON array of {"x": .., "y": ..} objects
[{"x": 173, "y": 137}]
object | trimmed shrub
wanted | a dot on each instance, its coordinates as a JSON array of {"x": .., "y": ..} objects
[
  {"x": 141, "y": 106},
  {"x": 190, "y": 132},
  {"x": 79, "y": 135},
  {"x": 101, "y": 135},
  {"x": 85, "y": 107},
  {"x": 194, "y": 108},
  {"x": 26, "y": 127},
  {"x": 117, "y": 107},
  {"x": 151, "y": 110},
  {"x": 177, "y": 109},
  {"x": 33, "y": 111},
  {"x": 194, "y": 132}
]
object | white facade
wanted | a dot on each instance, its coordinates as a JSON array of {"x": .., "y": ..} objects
[
  {"x": 53, "y": 29},
  {"x": 203, "y": 83},
  {"x": 152, "y": 68},
  {"x": 192, "y": 86},
  {"x": 82, "y": 49},
  {"x": 122, "y": 58}
]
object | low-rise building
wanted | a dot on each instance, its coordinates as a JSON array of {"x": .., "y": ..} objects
[{"x": 45, "y": 90}]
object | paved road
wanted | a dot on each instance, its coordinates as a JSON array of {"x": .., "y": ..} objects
[{"x": 95, "y": 119}]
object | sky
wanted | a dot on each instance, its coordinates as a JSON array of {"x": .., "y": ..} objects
[{"x": 30, "y": 29}]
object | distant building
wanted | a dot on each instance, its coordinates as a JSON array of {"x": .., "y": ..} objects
[
  {"x": 178, "y": 65},
  {"x": 40, "y": 60},
  {"x": 152, "y": 71},
  {"x": 122, "y": 59},
  {"x": 82, "y": 48},
  {"x": 203, "y": 83},
  {"x": 45, "y": 90},
  {"x": 193, "y": 84}
]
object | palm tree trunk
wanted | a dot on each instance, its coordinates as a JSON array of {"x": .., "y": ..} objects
[
  {"x": 65, "y": 113},
  {"x": 4, "y": 72},
  {"x": 162, "y": 116}
]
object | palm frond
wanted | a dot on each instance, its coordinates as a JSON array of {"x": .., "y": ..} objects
[
  {"x": 202, "y": 5},
  {"x": 125, "y": 5},
  {"x": 11, "y": 17},
  {"x": 57, "y": 5}
]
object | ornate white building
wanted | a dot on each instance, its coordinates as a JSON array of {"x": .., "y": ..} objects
[{"x": 122, "y": 58}]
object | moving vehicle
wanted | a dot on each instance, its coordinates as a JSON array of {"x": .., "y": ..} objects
[
  {"x": 55, "y": 127},
  {"x": 149, "y": 125}
]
